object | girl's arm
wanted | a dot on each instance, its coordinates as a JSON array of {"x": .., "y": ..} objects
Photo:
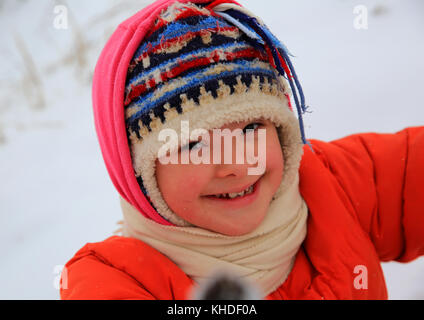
[
  {"x": 121, "y": 268},
  {"x": 383, "y": 176},
  {"x": 89, "y": 276}
]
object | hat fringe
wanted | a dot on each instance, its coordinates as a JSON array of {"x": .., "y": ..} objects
[{"x": 278, "y": 54}]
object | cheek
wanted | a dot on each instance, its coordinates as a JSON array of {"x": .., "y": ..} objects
[
  {"x": 181, "y": 185},
  {"x": 275, "y": 159},
  {"x": 192, "y": 183}
]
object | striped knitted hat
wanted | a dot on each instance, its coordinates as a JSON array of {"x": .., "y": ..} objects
[{"x": 201, "y": 64}]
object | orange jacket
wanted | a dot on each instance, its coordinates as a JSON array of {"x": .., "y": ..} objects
[{"x": 365, "y": 195}]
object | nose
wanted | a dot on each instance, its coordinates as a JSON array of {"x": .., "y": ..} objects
[
  {"x": 231, "y": 170},
  {"x": 232, "y": 160}
]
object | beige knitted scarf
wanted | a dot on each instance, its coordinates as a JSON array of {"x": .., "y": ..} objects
[{"x": 264, "y": 256}]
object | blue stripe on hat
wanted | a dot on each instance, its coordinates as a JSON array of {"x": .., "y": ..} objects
[
  {"x": 177, "y": 29},
  {"x": 195, "y": 78},
  {"x": 192, "y": 55}
]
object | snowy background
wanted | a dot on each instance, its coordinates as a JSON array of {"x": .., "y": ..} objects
[{"x": 55, "y": 194}]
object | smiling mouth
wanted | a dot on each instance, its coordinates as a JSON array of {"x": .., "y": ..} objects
[
  {"x": 248, "y": 192},
  {"x": 234, "y": 195}
]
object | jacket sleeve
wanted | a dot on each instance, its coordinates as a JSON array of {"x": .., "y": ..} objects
[
  {"x": 87, "y": 277},
  {"x": 383, "y": 176}
]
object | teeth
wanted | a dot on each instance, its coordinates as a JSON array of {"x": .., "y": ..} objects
[{"x": 235, "y": 195}]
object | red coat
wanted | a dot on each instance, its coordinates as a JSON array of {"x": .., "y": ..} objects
[{"x": 365, "y": 195}]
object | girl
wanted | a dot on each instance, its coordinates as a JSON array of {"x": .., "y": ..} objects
[{"x": 313, "y": 222}]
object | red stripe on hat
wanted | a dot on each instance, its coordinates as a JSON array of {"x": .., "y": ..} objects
[
  {"x": 151, "y": 83},
  {"x": 246, "y": 53},
  {"x": 182, "y": 67},
  {"x": 270, "y": 59},
  {"x": 229, "y": 56},
  {"x": 189, "y": 12},
  {"x": 174, "y": 41},
  {"x": 288, "y": 99},
  {"x": 135, "y": 92},
  {"x": 285, "y": 67}
]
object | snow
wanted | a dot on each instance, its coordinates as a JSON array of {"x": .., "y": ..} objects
[{"x": 55, "y": 194}]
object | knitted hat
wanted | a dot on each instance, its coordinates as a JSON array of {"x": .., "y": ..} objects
[{"x": 200, "y": 63}]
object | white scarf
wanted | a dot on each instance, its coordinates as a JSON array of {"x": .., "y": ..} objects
[{"x": 264, "y": 256}]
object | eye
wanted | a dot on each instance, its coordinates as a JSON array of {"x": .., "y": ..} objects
[
  {"x": 195, "y": 145},
  {"x": 192, "y": 145},
  {"x": 252, "y": 126}
]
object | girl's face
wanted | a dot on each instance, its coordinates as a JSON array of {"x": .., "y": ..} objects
[{"x": 191, "y": 190}]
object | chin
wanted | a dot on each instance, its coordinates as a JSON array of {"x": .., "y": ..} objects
[
  {"x": 237, "y": 233},
  {"x": 240, "y": 230}
]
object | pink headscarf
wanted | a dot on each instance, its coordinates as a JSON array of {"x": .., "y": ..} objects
[{"x": 108, "y": 102}]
